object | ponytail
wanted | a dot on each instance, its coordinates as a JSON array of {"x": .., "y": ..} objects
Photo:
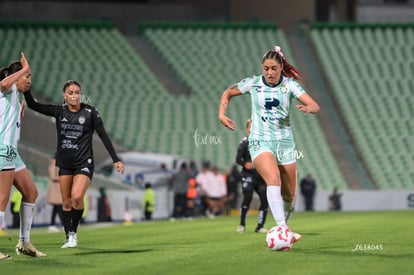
[
  {"x": 288, "y": 69},
  {"x": 4, "y": 72}
]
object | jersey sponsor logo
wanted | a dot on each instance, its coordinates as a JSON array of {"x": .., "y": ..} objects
[
  {"x": 258, "y": 89},
  {"x": 271, "y": 102},
  {"x": 269, "y": 118},
  {"x": 82, "y": 119}
]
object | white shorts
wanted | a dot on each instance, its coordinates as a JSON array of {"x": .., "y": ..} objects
[
  {"x": 7, "y": 157},
  {"x": 283, "y": 150}
]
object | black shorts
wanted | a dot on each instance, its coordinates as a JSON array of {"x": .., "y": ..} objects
[
  {"x": 86, "y": 170},
  {"x": 253, "y": 182}
]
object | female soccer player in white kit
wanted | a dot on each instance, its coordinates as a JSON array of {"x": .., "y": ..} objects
[
  {"x": 14, "y": 78},
  {"x": 271, "y": 141}
]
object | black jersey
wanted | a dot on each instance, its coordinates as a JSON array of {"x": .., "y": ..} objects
[
  {"x": 243, "y": 156},
  {"x": 74, "y": 132}
]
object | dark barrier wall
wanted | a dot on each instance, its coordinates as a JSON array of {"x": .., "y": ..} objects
[{"x": 126, "y": 14}]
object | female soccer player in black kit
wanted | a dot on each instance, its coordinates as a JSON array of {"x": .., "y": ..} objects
[
  {"x": 75, "y": 124},
  {"x": 251, "y": 181}
]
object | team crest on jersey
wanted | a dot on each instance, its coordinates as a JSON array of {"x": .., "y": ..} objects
[
  {"x": 284, "y": 89},
  {"x": 82, "y": 119}
]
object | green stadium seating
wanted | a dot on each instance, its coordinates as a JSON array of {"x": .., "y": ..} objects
[
  {"x": 370, "y": 71},
  {"x": 139, "y": 112}
]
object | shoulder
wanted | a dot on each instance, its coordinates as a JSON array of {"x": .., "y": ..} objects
[
  {"x": 247, "y": 83},
  {"x": 12, "y": 91},
  {"x": 292, "y": 86},
  {"x": 249, "y": 80},
  {"x": 90, "y": 109},
  {"x": 87, "y": 107},
  {"x": 291, "y": 83}
]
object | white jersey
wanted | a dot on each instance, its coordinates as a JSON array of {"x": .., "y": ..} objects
[
  {"x": 10, "y": 117},
  {"x": 270, "y": 106}
]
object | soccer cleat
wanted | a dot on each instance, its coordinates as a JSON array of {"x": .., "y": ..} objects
[
  {"x": 66, "y": 243},
  {"x": 296, "y": 237},
  {"x": 261, "y": 230},
  {"x": 4, "y": 256},
  {"x": 241, "y": 229},
  {"x": 210, "y": 214},
  {"x": 74, "y": 240},
  {"x": 3, "y": 232},
  {"x": 71, "y": 241},
  {"x": 26, "y": 248}
]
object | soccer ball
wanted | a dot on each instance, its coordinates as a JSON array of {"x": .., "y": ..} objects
[{"x": 279, "y": 238}]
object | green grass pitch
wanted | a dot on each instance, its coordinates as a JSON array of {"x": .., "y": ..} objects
[{"x": 333, "y": 243}]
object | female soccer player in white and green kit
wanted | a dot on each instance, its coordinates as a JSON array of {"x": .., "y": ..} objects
[
  {"x": 271, "y": 141},
  {"x": 14, "y": 79}
]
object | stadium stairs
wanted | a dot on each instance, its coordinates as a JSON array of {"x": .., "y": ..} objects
[{"x": 164, "y": 74}]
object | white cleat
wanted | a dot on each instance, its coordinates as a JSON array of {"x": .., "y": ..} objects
[
  {"x": 26, "y": 248},
  {"x": 241, "y": 229},
  {"x": 296, "y": 237},
  {"x": 261, "y": 230},
  {"x": 4, "y": 256},
  {"x": 71, "y": 241}
]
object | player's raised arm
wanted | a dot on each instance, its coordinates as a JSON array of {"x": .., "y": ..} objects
[{"x": 10, "y": 79}]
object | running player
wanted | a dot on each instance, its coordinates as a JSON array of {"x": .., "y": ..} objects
[
  {"x": 271, "y": 141},
  {"x": 16, "y": 77},
  {"x": 75, "y": 124},
  {"x": 251, "y": 181}
]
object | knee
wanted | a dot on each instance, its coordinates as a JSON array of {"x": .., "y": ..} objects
[
  {"x": 67, "y": 204},
  {"x": 3, "y": 203},
  {"x": 77, "y": 202},
  {"x": 31, "y": 196},
  {"x": 272, "y": 180}
]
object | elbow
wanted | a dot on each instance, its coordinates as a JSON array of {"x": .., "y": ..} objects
[{"x": 3, "y": 86}]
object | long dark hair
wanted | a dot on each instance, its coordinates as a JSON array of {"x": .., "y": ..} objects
[
  {"x": 71, "y": 82},
  {"x": 11, "y": 69},
  {"x": 288, "y": 69}
]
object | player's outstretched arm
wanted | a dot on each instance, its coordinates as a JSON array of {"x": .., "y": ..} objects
[
  {"x": 224, "y": 103},
  {"x": 309, "y": 104}
]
